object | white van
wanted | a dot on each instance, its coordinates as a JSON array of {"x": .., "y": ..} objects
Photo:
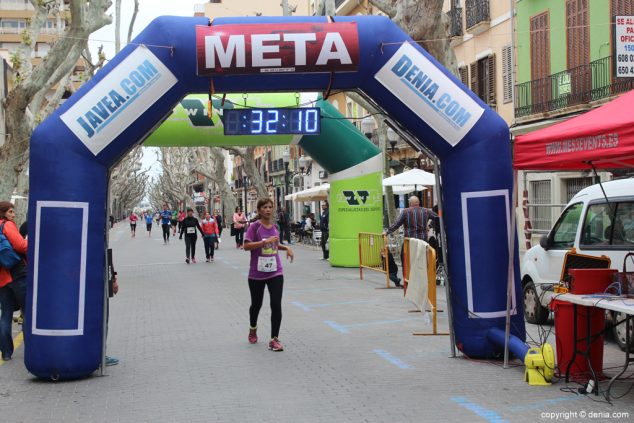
[{"x": 593, "y": 226}]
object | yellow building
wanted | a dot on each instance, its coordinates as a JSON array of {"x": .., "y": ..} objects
[{"x": 482, "y": 39}]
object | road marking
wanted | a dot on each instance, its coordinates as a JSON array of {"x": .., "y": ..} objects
[
  {"x": 542, "y": 404},
  {"x": 485, "y": 413},
  {"x": 336, "y": 326},
  {"x": 309, "y": 307},
  {"x": 391, "y": 359},
  {"x": 345, "y": 328},
  {"x": 151, "y": 264},
  {"x": 17, "y": 341},
  {"x": 310, "y": 290}
]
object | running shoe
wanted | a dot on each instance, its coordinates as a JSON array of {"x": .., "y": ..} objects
[
  {"x": 211, "y": 259},
  {"x": 111, "y": 361},
  {"x": 275, "y": 345},
  {"x": 207, "y": 260},
  {"x": 187, "y": 260},
  {"x": 193, "y": 260},
  {"x": 253, "y": 335}
]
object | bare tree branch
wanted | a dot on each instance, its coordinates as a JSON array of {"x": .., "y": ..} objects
[
  {"x": 133, "y": 20},
  {"x": 385, "y": 6}
]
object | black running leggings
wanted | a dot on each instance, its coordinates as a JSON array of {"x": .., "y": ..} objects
[
  {"x": 166, "y": 231},
  {"x": 190, "y": 245},
  {"x": 239, "y": 236},
  {"x": 275, "y": 284}
]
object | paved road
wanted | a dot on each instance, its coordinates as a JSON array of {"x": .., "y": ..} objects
[{"x": 180, "y": 332}]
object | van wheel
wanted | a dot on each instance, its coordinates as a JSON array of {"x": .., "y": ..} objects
[
  {"x": 534, "y": 312},
  {"x": 619, "y": 331}
]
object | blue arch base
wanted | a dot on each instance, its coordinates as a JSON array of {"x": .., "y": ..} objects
[{"x": 73, "y": 149}]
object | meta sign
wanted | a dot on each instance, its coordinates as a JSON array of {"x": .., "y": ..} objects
[
  {"x": 274, "y": 48},
  {"x": 624, "y": 46}
]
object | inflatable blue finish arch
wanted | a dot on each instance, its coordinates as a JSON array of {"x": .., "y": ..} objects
[{"x": 72, "y": 151}]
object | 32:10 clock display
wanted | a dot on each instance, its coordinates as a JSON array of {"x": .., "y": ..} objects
[{"x": 304, "y": 121}]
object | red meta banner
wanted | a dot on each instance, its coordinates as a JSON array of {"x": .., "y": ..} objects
[{"x": 273, "y": 48}]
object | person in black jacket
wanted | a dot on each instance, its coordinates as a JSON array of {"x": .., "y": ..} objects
[
  {"x": 325, "y": 230},
  {"x": 188, "y": 227}
]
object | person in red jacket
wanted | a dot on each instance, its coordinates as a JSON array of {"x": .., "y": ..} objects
[
  {"x": 13, "y": 281},
  {"x": 210, "y": 236}
]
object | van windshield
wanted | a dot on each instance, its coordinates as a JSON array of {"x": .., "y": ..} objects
[
  {"x": 565, "y": 229},
  {"x": 607, "y": 225}
]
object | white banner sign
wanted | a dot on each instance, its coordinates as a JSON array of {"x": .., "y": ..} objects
[
  {"x": 119, "y": 99},
  {"x": 624, "y": 47},
  {"x": 429, "y": 93}
]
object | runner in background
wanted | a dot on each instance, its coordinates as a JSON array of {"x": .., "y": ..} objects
[
  {"x": 188, "y": 228},
  {"x": 148, "y": 223},
  {"x": 166, "y": 216},
  {"x": 133, "y": 220},
  {"x": 181, "y": 216},
  {"x": 174, "y": 221},
  {"x": 220, "y": 221},
  {"x": 265, "y": 269},
  {"x": 210, "y": 236}
]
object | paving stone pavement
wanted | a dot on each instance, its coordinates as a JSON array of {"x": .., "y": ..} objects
[{"x": 180, "y": 332}]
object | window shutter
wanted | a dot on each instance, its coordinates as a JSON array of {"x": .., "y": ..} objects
[
  {"x": 464, "y": 75},
  {"x": 474, "y": 78},
  {"x": 507, "y": 74},
  {"x": 491, "y": 100}
]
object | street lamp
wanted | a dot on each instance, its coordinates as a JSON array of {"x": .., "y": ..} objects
[
  {"x": 286, "y": 158},
  {"x": 392, "y": 137},
  {"x": 245, "y": 179},
  {"x": 367, "y": 126}
]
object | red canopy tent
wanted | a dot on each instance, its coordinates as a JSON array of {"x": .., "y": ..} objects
[{"x": 603, "y": 137}]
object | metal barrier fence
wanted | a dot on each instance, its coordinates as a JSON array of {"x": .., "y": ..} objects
[
  {"x": 431, "y": 283},
  {"x": 373, "y": 254}
]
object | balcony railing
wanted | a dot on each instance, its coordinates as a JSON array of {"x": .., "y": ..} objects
[
  {"x": 580, "y": 85},
  {"x": 455, "y": 22},
  {"x": 15, "y": 5},
  {"x": 477, "y": 11}
]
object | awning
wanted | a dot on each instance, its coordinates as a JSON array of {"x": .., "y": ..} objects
[
  {"x": 318, "y": 193},
  {"x": 416, "y": 177},
  {"x": 602, "y": 137}
]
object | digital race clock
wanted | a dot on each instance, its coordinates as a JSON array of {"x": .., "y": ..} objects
[{"x": 304, "y": 121}]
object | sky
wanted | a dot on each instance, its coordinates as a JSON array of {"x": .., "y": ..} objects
[{"x": 148, "y": 10}]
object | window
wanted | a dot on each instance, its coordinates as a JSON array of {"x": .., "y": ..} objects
[
  {"x": 507, "y": 73},
  {"x": 622, "y": 8},
  {"x": 12, "y": 26},
  {"x": 574, "y": 185},
  {"x": 609, "y": 225},
  {"x": 483, "y": 79},
  {"x": 578, "y": 44},
  {"x": 540, "y": 60},
  {"x": 540, "y": 216},
  {"x": 565, "y": 229}
]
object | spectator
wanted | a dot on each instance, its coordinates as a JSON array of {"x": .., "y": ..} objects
[
  {"x": 12, "y": 281},
  {"x": 324, "y": 225},
  {"x": 113, "y": 289},
  {"x": 284, "y": 222},
  {"x": 239, "y": 223},
  {"x": 220, "y": 221},
  {"x": 414, "y": 220}
]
